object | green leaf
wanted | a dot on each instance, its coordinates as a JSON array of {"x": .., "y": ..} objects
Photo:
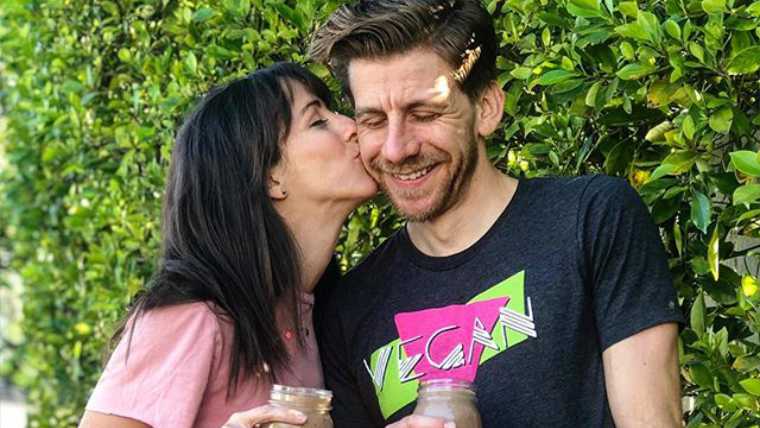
[
  {"x": 721, "y": 340},
  {"x": 627, "y": 50},
  {"x": 124, "y": 54},
  {"x": 713, "y": 254},
  {"x": 635, "y": 71},
  {"x": 747, "y": 162},
  {"x": 513, "y": 95},
  {"x": 746, "y": 363},
  {"x": 672, "y": 28},
  {"x": 292, "y": 15},
  {"x": 629, "y": 8},
  {"x": 714, "y": 6},
  {"x": 701, "y": 376},
  {"x": 522, "y": 73},
  {"x": 754, "y": 9},
  {"x": 566, "y": 86},
  {"x": 745, "y": 62},
  {"x": 697, "y": 315},
  {"x": 699, "y": 265},
  {"x": 618, "y": 158},
  {"x": 555, "y": 76},
  {"x": 678, "y": 238},
  {"x": 658, "y": 132},
  {"x": 661, "y": 171},
  {"x": 688, "y": 127},
  {"x": 203, "y": 14},
  {"x": 591, "y": 94},
  {"x": 680, "y": 161},
  {"x": 697, "y": 51},
  {"x": 701, "y": 211},
  {"x": 191, "y": 62},
  {"x": 546, "y": 37},
  {"x": 746, "y": 401},
  {"x": 633, "y": 31},
  {"x": 238, "y": 7},
  {"x": 650, "y": 24},
  {"x": 661, "y": 93},
  {"x": 724, "y": 402},
  {"x": 746, "y": 194},
  {"x": 584, "y": 8},
  {"x": 749, "y": 215},
  {"x": 750, "y": 285},
  {"x": 720, "y": 121},
  {"x": 751, "y": 385}
]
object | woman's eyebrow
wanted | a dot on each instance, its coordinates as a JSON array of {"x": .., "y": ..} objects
[{"x": 316, "y": 102}]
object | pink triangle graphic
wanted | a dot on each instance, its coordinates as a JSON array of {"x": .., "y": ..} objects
[{"x": 444, "y": 337}]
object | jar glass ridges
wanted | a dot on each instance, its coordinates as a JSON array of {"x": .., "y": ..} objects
[
  {"x": 314, "y": 403},
  {"x": 450, "y": 399}
]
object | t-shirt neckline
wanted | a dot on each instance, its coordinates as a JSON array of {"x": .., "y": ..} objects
[{"x": 436, "y": 263}]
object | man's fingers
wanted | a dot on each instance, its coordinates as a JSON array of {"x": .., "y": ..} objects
[
  {"x": 417, "y": 421},
  {"x": 265, "y": 414}
]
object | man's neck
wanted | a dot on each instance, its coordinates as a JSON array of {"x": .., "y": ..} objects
[{"x": 470, "y": 218}]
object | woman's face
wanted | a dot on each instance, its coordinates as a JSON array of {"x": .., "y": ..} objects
[{"x": 321, "y": 161}]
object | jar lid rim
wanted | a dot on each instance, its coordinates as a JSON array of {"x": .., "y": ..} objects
[{"x": 301, "y": 390}]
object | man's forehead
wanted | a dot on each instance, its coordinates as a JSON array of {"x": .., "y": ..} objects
[
  {"x": 404, "y": 96},
  {"x": 401, "y": 80}
]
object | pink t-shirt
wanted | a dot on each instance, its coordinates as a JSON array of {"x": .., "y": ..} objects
[{"x": 178, "y": 367}]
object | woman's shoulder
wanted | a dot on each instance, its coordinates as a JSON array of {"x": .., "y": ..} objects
[
  {"x": 164, "y": 362},
  {"x": 183, "y": 316},
  {"x": 169, "y": 332}
]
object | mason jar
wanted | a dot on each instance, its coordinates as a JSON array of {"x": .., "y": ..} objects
[
  {"x": 450, "y": 399},
  {"x": 314, "y": 403}
]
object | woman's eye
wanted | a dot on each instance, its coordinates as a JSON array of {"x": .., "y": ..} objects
[{"x": 321, "y": 123}]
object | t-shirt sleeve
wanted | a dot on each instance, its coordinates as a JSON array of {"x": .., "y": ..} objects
[
  {"x": 348, "y": 407},
  {"x": 625, "y": 262},
  {"x": 161, "y": 379}
]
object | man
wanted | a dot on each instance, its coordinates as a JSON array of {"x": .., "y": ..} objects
[{"x": 551, "y": 295}]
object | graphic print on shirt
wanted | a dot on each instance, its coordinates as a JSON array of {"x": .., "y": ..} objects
[{"x": 450, "y": 342}]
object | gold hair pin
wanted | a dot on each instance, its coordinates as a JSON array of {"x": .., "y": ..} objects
[{"x": 470, "y": 57}]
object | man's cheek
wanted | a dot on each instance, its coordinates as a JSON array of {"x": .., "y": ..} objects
[{"x": 366, "y": 159}]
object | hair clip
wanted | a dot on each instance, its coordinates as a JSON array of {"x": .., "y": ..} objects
[
  {"x": 470, "y": 57},
  {"x": 437, "y": 9}
]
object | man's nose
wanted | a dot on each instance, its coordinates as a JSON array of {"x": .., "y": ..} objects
[{"x": 399, "y": 144}]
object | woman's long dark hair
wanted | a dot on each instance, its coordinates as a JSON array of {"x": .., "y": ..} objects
[{"x": 223, "y": 242}]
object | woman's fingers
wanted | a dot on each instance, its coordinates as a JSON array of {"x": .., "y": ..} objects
[
  {"x": 417, "y": 421},
  {"x": 265, "y": 414}
]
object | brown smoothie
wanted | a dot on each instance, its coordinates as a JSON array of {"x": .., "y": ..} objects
[
  {"x": 449, "y": 399},
  {"x": 314, "y": 403}
]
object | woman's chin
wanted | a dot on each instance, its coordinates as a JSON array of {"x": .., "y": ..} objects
[{"x": 364, "y": 196}]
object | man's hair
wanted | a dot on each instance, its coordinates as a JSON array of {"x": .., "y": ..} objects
[{"x": 461, "y": 32}]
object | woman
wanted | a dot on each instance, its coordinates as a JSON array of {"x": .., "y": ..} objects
[{"x": 262, "y": 177}]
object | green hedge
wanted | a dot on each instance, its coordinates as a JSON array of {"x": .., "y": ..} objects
[{"x": 663, "y": 92}]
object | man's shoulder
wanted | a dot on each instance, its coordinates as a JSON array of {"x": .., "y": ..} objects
[
  {"x": 366, "y": 277},
  {"x": 575, "y": 184},
  {"x": 583, "y": 189}
]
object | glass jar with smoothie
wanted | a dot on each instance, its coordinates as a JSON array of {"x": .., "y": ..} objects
[
  {"x": 450, "y": 399},
  {"x": 314, "y": 403}
]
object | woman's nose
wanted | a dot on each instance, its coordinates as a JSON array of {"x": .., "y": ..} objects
[{"x": 347, "y": 127}]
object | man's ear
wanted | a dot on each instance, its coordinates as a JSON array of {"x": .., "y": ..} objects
[
  {"x": 490, "y": 110},
  {"x": 276, "y": 183}
]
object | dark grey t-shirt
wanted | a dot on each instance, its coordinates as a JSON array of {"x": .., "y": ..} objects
[{"x": 572, "y": 266}]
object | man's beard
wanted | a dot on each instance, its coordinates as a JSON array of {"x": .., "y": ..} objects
[{"x": 447, "y": 194}]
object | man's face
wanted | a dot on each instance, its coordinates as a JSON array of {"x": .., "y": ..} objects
[{"x": 417, "y": 131}]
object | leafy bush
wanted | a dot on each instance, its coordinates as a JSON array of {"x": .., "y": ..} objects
[{"x": 663, "y": 92}]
